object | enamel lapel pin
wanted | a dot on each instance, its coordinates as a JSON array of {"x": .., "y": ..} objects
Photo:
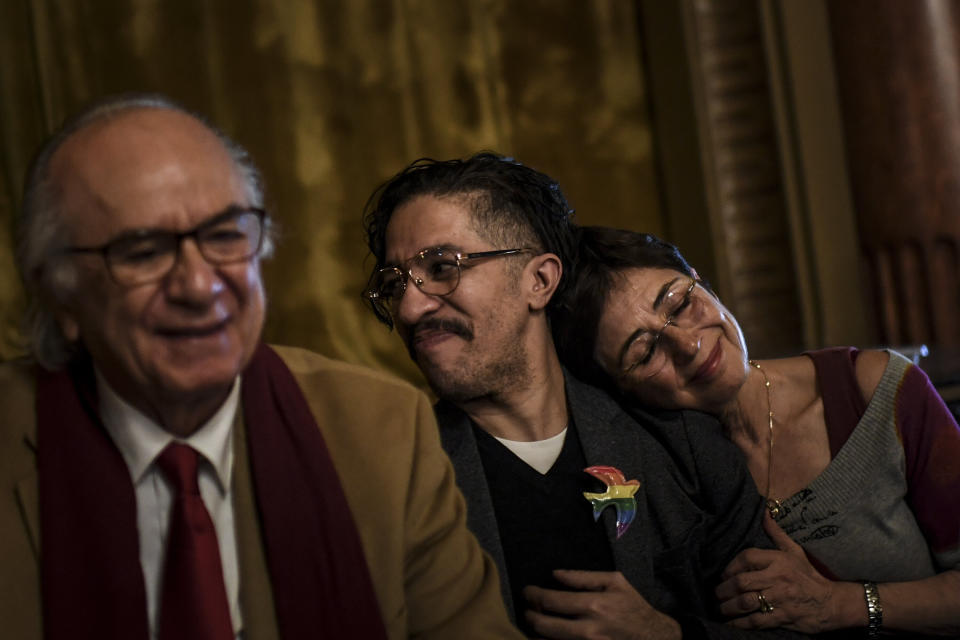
[{"x": 619, "y": 494}]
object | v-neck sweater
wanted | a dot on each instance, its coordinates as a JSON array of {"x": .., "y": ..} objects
[{"x": 544, "y": 521}]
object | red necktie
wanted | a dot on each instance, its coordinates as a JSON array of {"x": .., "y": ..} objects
[{"x": 193, "y": 600}]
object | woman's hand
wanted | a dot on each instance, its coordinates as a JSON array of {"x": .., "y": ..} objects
[{"x": 800, "y": 597}]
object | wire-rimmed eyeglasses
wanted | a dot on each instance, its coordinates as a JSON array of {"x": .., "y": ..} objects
[
  {"x": 143, "y": 256},
  {"x": 435, "y": 271},
  {"x": 676, "y": 301}
]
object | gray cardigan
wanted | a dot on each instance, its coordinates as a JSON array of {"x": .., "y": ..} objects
[{"x": 697, "y": 506}]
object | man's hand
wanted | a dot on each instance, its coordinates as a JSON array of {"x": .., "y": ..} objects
[
  {"x": 605, "y": 606},
  {"x": 802, "y": 599}
]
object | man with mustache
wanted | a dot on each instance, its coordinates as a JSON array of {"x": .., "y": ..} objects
[
  {"x": 469, "y": 255},
  {"x": 165, "y": 474}
]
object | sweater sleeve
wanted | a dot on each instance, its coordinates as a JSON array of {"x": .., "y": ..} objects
[
  {"x": 727, "y": 493},
  {"x": 729, "y": 497},
  {"x": 931, "y": 443}
]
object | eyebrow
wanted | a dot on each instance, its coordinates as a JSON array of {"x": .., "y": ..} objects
[
  {"x": 432, "y": 247},
  {"x": 443, "y": 247},
  {"x": 657, "y": 301},
  {"x": 664, "y": 290},
  {"x": 143, "y": 232}
]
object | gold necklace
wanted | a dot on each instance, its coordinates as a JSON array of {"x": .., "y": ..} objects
[{"x": 773, "y": 506}]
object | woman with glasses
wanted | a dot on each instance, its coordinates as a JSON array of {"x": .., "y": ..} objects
[{"x": 856, "y": 454}]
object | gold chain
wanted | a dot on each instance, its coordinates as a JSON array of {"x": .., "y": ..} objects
[{"x": 773, "y": 506}]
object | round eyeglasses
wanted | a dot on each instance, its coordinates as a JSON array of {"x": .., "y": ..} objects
[
  {"x": 434, "y": 271},
  {"x": 143, "y": 256}
]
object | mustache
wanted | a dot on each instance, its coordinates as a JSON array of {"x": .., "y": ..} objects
[{"x": 451, "y": 325}]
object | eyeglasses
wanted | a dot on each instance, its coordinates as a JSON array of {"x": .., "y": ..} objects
[
  {"x": 674, "y": 302},
  {"x": 434, "y": 271},
  {"x": 143, "y": 256}
]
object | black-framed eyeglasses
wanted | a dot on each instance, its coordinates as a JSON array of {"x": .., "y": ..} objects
[
  {"x": 148, "y": 255},
  {"x": 675, "y": 302},
  {"x": 435, "y": 271}
]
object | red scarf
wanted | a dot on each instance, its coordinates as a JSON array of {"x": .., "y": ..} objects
[{"x": 90, "y": 561}]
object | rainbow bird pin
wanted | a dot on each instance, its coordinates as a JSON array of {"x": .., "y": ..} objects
[{"x": 619, "y": 494}]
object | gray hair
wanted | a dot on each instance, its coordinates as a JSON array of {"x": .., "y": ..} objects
[{"x": 42, "y": 234}]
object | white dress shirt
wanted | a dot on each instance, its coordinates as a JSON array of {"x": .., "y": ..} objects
[{"x": 140, "y": 441}]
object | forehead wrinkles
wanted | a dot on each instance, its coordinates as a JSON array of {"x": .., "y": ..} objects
[
  {"x": 628, "y": 307},
  {"x": 638, "y": 292}
]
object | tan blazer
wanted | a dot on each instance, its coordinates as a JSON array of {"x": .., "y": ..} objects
[{"x": 431, "y": 578}]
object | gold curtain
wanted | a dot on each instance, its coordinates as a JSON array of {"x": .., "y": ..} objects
[{"x": 333, "y": 97}]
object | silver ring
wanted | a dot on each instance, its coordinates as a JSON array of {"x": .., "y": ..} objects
[{"x": 765, "y": 607}]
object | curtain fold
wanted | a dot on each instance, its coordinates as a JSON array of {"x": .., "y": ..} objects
[{"x": 334, "y": 97}]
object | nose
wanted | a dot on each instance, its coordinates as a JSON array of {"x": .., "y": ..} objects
[
  {"x": 414, "y": 304},
  {"x": 192, "y": 280},
  {"x": 684, "y": 342}
]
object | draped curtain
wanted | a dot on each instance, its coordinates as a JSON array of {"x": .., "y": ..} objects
[{"x": 332, "y": 98}]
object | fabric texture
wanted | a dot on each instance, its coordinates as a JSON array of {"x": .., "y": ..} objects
[
  {"x": 140, "y": 440},
  {"x": 886, "y": 508},
  {"x": 332, "y": 98},
  {"x": 539, "y": 455},
  {"x": 194, "y": 601},
  {"x": 540, "y": 517},
  {"x": 318, "y": 570},
  {"x": 319, "y": 575},
  {"x": 843, "y": 404},
  {"x": 697, "y": 506},
  {"x": 431, "y": 579}
]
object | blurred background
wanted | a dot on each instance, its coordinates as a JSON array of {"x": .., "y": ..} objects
[{"x": 804, "y": 154}]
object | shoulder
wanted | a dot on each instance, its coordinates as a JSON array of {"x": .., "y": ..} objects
[
  {"x": 709, "y": 443},
  {"x": 594, "y": 404},
  {"x": 18, "y": 422},
  {"x": 351, "y": 402},
  {"x": 870, "y": 367},
  {"x": 18, "y": 381},
  {"x": 690, "y": 438},
  {"x": 308, "y": 366},
  {"x": 303, "y": 362},
  {"x": 695, "y": 441},
  {"x": 17, "y": 375}
]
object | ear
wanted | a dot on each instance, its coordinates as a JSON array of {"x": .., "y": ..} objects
[
  {"x": 541, "y": 278},
  {"x": 68, "y": 325},
  {"x": 56, "y": 294}
]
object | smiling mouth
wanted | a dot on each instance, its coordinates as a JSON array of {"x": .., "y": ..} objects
[
  {"x": 709, "y": 367},
  {"x": 197, "y": 331}
]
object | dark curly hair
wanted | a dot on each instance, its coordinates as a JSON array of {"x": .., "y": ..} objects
[
  {"x": 511, "y": 204},
  {"x": 602, "y": 255}
]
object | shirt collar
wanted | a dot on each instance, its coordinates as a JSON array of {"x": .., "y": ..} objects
[{"x": 141, "y": 440}]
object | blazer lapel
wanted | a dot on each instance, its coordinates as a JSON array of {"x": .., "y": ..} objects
[
  {"x": 28, "y": 496},
  {"x": 610, "y": 437},
  {"x": 457, "y": 438},
  {"x": 21, "y": 612}
]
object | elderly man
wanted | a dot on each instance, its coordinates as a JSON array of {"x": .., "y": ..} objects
[
  {"x": 469, "y": 255},
  {"x": 166, "y": 475}
]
